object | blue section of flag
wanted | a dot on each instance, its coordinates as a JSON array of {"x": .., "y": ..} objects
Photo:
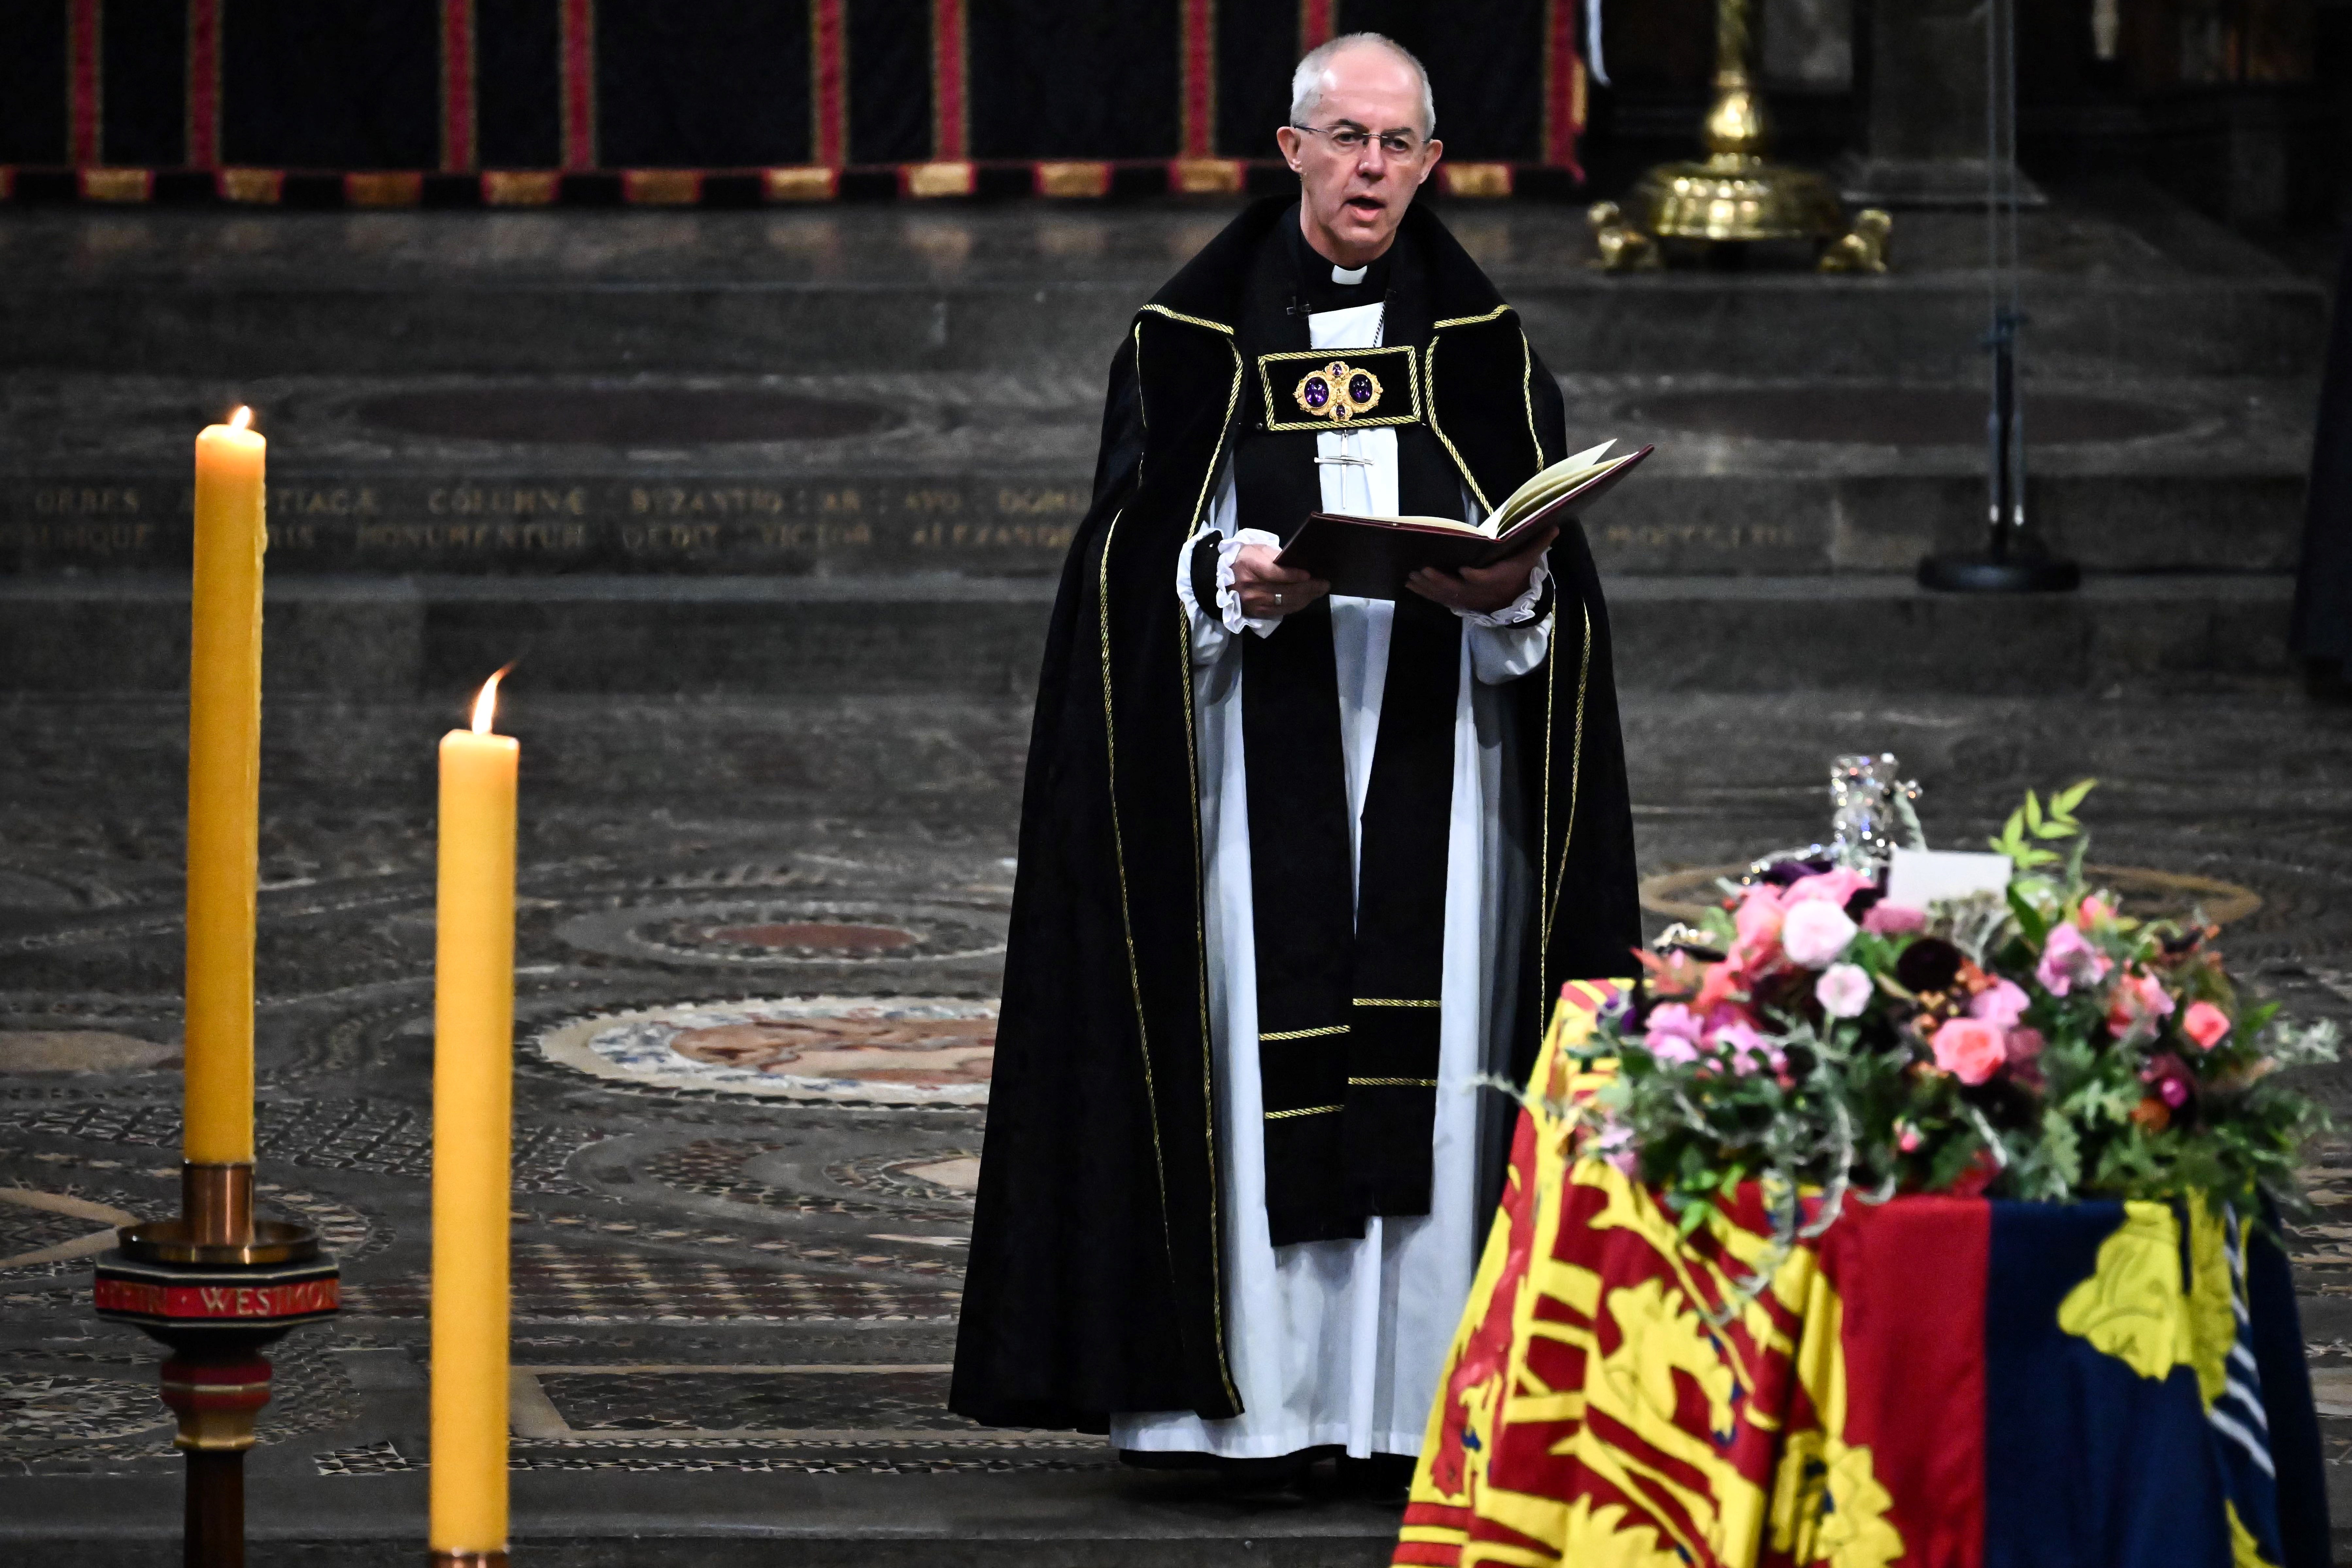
[{"x": 2087, "y": 1463}]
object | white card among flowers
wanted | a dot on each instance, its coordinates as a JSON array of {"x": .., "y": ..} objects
[{"x": 1916, "y": 879}]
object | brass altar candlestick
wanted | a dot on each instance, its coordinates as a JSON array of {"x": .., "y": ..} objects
[
  {"x": 1734, "y": 194},
  {"x": 215, "y": 1285},
  {"x": 468, "y": 1559}
]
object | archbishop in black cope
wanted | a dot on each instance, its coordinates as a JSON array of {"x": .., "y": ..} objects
[{"x": 1295, "y": 868}]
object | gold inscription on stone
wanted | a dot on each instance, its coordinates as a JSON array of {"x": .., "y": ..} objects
[
  {"x": 814, "y": 535},
  {"x": 643, "y": 538},
  {"x": 932, "y": 501},
  {"x": 1015, "y": 502},
  {"x": 293, "y": 535},
  {"x": 1701, "y": 535},
  {"x": 507, "y": 500},
  {"x": 464, "y": 538},
  {"x": 992, "y": 535},
  {"x": 341, "y": 501},
  {"x": 100, "y": 538},
  {"x": 86, "y": 500},
  {"x": 714, "y": 501}
]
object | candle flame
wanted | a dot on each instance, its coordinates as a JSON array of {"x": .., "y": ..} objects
[
  {"x": 242, "y": 419},
  {"x": 486, "y": 706}
]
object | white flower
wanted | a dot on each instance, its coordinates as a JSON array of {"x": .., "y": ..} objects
[
  {"x": 1843, "y": 991},
  {"x": 1814, "y": 932}
]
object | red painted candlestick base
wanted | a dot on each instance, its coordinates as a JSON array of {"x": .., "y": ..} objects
[{"x": 216, "y": 1288}]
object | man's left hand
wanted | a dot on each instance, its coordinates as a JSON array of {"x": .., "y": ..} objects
[{"x": 1483, "y": 590}]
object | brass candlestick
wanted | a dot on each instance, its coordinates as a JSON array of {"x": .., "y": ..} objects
[
  {"x": 215, "y": 1285},
  {"x": 1734, "y": 194},
  {"x": 469, "y": 1560}
]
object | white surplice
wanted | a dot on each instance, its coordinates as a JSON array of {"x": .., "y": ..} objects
[{"x": 1341, "y": 1342}]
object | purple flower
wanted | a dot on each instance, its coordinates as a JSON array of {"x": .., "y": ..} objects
[{"x": 2068, "y": 960}]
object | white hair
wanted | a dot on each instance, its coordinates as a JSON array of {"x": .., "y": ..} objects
[{"x": 1307, "y": 81}]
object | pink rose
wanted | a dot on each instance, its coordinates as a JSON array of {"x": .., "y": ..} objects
[
  {"x": 1884, "y": 919},
  {"x": 1757, "y": 919},
  {"x": 1906, "y": 1137},
  {"x": 1970, "y": 1049},
  {"x": 2139, "y": 1004},
  {"x": 2205, "y": 1024},
  {"x": 1830, "y": 886},
  {"x": 2094, "y": 911},
  {"x": 2069, "y": 959},
  {"x": 2002, "y": 1005},
  {"x": 2023, "y": 1046},
  {"x": 1843, "y": 991},
  {"x": 1814, "y": 932}
]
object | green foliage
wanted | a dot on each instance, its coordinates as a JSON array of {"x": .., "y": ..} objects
[{"x": 2030, "y": 825}]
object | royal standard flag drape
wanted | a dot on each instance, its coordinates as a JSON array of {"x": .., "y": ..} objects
[{"x": 1931, "y": 1382}]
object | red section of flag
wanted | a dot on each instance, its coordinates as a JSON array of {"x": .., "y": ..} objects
[
  {"x": 829, "y": 82},
  {"x": 1563, "y": 86},
  {"x": 579, "y": 45},
  {"x": 1200, "y": 87},
  {"x": 457, "y": 85},
  {"x": 83, "y": 25},
  {"x": 1912, "y": 1275},
  {"x": 204, "y": 149},
  {"x": 951, "y": 116},
  {"x": 1314, "y": 23}
]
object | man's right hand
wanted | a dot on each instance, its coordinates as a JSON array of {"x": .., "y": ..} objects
[{"x": 1267, "y": 590}]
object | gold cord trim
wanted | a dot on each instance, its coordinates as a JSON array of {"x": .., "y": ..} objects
[
  {"x": 1394, "y": 1082},
  {"x": 1575, "y": 779},
  {"x": 1190, "y": 320},
  {"x": 1304, "y": 1033},
  {"x": 1200, "y": 928},
  {"x": 1429, "y": 372},
  {"x": 1397, "y": 1001},
  {"x": 1470, "y": 320},
  {"x": 1118, "y": 854},
  {"x": 1528, "y": 393},
  {"x": 1310, "y": 1110}
]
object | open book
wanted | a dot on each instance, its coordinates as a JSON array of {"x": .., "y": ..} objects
[{"x": 1371, "y": 557}]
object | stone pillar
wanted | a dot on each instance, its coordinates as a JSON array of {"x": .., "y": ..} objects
[{"x": 1920, "y": 67}]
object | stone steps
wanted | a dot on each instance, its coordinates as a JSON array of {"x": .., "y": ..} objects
[
  {"x": 2135, "y": 286},
  {"x": 378, "y": 637}
]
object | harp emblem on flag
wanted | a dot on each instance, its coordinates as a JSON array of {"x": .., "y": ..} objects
[{"x": 1338, "y": 392}]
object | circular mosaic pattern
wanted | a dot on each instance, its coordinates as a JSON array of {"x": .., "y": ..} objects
[
  {"x": 788, "y": 932},
  {"x": 887, "y": 1050},
  {"x": 37, "y": 1407}
]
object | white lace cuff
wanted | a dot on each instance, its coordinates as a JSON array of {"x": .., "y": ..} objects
[
  {"x": 1519, "y": 611},
  {"x": 1229, "y": 602}
]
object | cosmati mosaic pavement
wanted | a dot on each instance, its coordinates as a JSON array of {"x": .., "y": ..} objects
[{"x": 760, "y": 948}]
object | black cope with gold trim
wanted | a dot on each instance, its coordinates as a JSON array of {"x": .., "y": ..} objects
[
  {"x": 1365, "y": 387},
  {"x": 1097, "y": 1276}
]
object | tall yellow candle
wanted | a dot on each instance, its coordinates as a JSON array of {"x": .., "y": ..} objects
[
  {"x": 224, "y": 790},
  {"x": 473, "y": 1115}
]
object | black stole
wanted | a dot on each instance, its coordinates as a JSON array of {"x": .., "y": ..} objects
[{"x": 1349, "y": 970}]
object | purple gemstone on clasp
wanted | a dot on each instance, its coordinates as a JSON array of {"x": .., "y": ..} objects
[
  {"x": 1318, "y": 392},
  {"x": 1359, "y": 389}
]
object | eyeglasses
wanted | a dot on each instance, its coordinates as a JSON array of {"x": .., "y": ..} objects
[{"x": 1353, "y": 139}]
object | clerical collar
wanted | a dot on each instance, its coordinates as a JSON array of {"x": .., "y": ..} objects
[{"x": 1324, "y": 285}]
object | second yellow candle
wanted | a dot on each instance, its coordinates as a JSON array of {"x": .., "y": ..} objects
[{"x": 473, "y": 1101}]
